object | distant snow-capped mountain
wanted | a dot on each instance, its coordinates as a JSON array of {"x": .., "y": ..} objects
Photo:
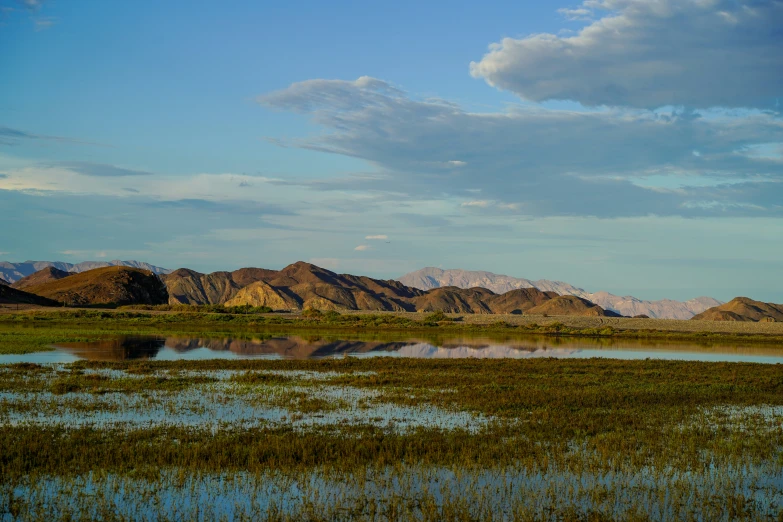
[{"x": 430, "y": 277}]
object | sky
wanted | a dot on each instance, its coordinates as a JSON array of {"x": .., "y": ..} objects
[{"x": 629, "y": 146}]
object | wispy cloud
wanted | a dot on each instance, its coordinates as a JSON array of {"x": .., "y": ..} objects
[
  {"x": 377, "y": 236},
  {"x": 99, "y": 170},
  {"x": 10, "y": 136},
  {"x": 44, "y": 22},
  {"x": 536, "y": 161},
  {"x": 362, "y": 248}
]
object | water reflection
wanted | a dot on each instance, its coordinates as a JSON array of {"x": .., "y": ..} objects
[{"x": 298, "y": 347}]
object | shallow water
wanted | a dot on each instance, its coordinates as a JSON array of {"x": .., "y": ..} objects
[
  {"x": 296, "y": 347},
  {"x": 224, "y": 403},
  {"x": 500, "y": 494}
]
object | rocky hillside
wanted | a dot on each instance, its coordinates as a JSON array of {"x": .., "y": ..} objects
[
  {"x": 571, "y": 305},
  {"x": 429, "y": 278},
  {"x": 12, "y": 296},
  {"x": 3, "y": 282},
  {"x": 743, "y": 309},
  {"x": 114, "y": 285},
  {"x": 46, "y": 275},
  {"x": 13, "y": 272},
  {"x": 303, "y": 285}
]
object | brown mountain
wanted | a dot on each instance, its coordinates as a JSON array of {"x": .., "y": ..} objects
[
  {"x": 451, "y": 299},
  {"x": 743, "y": 309},
  {"x": 261, "y": 293},
  {"x": 187, "y": 286},
  {"x": 40, "y": 277},
  {"x": 570, "y": 305},
  {"x": 10, "y": 295},
  {"x": 303, "y": 285},
  {"x": 520, "y": 300},
  {"x": 295, "y": 287},
  {"x": 115, "y": 285},
  {"x": 429, "y": 278}
]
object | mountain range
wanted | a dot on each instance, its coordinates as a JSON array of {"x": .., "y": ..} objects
[
  {"x": 13, "y": 272},
  {"x": 431, "y": 277},
  {"x": 302, "y": 286}
]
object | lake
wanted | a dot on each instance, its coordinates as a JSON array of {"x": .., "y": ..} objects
[{"x": 394, "y": 345}]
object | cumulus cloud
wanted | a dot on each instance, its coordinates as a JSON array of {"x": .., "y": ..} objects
[
  {"x": 377, "y": 236},
  {"x": 649, "y": 54},
  {"x": 537, "y": 161}
]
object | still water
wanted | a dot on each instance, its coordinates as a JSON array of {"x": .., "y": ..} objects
[{"x": 314, "y": 347}]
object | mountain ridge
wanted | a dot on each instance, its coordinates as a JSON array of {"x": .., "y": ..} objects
[
  {"x": 432, "y": 277},
  {"x": 302, "y": 285},
  {"x": 13, "y": 272}
]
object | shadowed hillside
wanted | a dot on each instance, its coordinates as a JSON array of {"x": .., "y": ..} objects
[
  {"x": 115, "y": 285},
  {"x": 743, "y": 309},
  {"x": 13, "y": 296}
]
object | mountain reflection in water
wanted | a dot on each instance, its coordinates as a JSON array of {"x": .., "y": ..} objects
[{"x": 296, "y": 347}]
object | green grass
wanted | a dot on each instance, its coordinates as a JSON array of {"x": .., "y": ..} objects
[{"x": 547, "y": 418}]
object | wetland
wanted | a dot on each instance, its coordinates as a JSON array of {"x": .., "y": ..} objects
[{"x": 116, "y": 421}]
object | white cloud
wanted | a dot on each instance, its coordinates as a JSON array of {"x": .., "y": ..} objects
[
  {"x": 377, "y": 236},
  {"x": 481, "y": 203},
  {"x": 362, "y": 248},
  {"x": 576, "y": 14},
  {"x": 541, "y": 162},
  {"x": 694, "y": 53}
]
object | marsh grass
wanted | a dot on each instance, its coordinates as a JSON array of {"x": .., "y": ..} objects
[{"x": 535, "y": 439}]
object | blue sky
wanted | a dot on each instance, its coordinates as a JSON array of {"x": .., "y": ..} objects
[{"x": 621, "y": 145}]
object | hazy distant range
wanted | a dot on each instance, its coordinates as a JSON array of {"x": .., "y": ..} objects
[
  {"x": 431, "y": 277},
  {"x": 428, "y": 278},
  {"x": 13, "y": 272}
]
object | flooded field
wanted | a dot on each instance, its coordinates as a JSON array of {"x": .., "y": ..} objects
[
  {"x": 381, "y": 438},
  {"x": 169, "y": 348}
]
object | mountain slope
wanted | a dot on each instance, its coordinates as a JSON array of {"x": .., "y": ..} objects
[
  {"x": 428, "y": 278},
  {"x": 431, "y": 277},
  {"x": 190, "y": 287},
  {"x": 570, "y": 305},
  {"x": 46, "y": 275},
  {"x": 10, "y": 295},
  {"x": 115, "y": 285},
  {"x": 743, "y": 309},
  {"x": 13, "y": 272}
]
